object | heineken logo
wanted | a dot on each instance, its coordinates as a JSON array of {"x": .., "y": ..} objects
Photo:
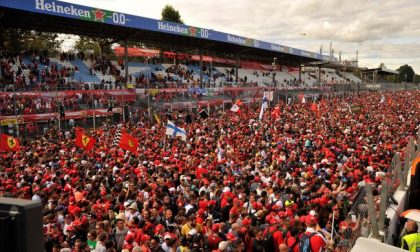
[
  {"x": 165, "y": 26},
  {"x": 243, "y": 41},
  {"x": 276, "y": 47},
  {"x": 188, "y": 31},
  {"x": 192, "y": 31},
  {"x": 97, "y": 15},
  {"x": 57, "y": 8}
]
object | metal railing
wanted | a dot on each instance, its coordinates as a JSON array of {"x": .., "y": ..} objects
[{"x": 368, "y": 214}]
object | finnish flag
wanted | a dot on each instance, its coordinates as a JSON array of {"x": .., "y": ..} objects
[
  {"x": 264, "y": 105},
  {"x": 173, "y": 130}
]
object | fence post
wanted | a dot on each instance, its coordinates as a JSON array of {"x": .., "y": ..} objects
[
  {"x": 399, "y": 172},
  {"x": 372, "y": 212},
  {"x": 384, "y": 204},
  {"x": 412, "y": 149},
  {"x": 406, "y": 166}
]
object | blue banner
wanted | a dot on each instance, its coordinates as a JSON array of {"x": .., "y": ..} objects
[{"x": 75, "y": 11}]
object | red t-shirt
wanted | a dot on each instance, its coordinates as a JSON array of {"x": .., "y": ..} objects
[
  {"x": 292, "y": 243},
  {"x": 317, "y": 242}
]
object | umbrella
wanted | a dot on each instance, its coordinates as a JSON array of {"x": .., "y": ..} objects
[{"x": 412, "y": 214}]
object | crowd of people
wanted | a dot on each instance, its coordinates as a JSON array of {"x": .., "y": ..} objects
[
  {"x": 37, "y": 72},
  {"x": 37, "y": 104},
  {"x": 236, "y": 184}
]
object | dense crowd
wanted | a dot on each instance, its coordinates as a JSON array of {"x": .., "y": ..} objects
[
  {"x": 37, "y": 72},
  {"x": 37, "y": 104},
  {"x": 236, "y": 184}
]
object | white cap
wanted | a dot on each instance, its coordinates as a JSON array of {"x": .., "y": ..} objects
[{"x": 223, "y": 245}]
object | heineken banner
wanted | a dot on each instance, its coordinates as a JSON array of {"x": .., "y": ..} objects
[{"x": 68, "y": 10}]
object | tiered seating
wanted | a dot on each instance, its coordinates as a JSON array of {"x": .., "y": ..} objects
[
  {"x": 83, "y": 75},
  {"x": 329, "y": 76},
  {"x": 351, "y": 77},
  {"x": 284, "y": 78},
  {"x": 196, "y": 73},
  {"x": 106, "y": 77},
  {"x": 307, "y": 80}
]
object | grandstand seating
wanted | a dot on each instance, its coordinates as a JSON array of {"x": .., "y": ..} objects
[
  {"x": 254, "y": 74},
  {"x": 350, "y": 77},
  {"x": 307, "y": 80}
]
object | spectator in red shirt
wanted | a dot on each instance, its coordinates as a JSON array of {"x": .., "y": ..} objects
[{"x": 317, "y": 242}]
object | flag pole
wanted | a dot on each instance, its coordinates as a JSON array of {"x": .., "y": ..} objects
[
  {"x": 94, "y": 119},
  {"x": 59, "y": 122},
  {"x": 332, "y": 229},
  {"x": 16, "y": 111},
  {"x": 208, "y": 108}
]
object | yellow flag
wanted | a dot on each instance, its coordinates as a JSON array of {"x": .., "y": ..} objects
[{"x": 156, "y": 118}]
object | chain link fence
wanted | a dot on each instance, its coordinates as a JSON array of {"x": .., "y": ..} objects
[{"x": 356, "y": 223}]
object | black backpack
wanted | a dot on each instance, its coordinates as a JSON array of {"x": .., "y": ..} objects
[
  {"x": 305, "y": 242},
  {"x": 268, "y": 242}
]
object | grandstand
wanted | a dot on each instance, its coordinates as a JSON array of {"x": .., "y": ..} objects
[{"x": 258, "y": 165}]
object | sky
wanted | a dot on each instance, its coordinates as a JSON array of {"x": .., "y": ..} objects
[{"x": 382, "y": 31}]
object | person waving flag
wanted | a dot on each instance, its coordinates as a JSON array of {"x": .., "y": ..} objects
[
  {"x": 9, "y": 143},
  {"x": 84, "y": 141},
  {"x": 264, "y": 105},
  {"x": 173, "y": 130}
]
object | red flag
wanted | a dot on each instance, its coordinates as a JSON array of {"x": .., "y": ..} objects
[
  {"x": 236, "y": 107},
  {"x": 84, "y": 141},
  {"x": 314, "y": 107},
  {"x": 276, "y": 112},
  {"x": 9, "y": 143},
  {"x": 128, "y": 142},
  {"x": 390, "y": 101},
  {"x": 301, "y": 98}
]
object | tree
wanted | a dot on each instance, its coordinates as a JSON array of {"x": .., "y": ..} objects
[
  {"x": 406, "y": 73},
  {"x": 171, "y": 15},
  {"x": 382, "y": 65},
  {"x": 96, "y": 46},
  {"x": 18, "y": 40}
]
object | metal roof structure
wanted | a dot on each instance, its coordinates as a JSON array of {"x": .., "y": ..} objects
[
  {"x": 380, "y": 70},
  {"x": 62, "y": 17}
]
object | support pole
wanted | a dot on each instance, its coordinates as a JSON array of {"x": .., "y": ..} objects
[
  {"x": 236, "y": 68},
  {"x": 319, "y": 75},
  {"x": 94, "y": 119},
  {"x": 16, "y": 111},
  {"x": 372, "y": 212},
  {"x": 300, "y": 74},
  {"x": 384, "y": 201},
  {"x": 201, "y": 67},
  {"x": 126, "y": 63}
]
